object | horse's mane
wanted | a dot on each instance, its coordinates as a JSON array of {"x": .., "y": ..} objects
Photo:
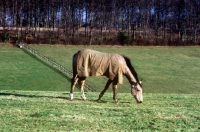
[{"x": 128, "y": 63}]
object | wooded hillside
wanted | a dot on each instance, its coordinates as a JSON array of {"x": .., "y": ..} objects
[{"x": 133, "y": 22}]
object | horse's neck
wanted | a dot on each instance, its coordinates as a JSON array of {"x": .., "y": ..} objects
[{"x": 129, "y": 75}]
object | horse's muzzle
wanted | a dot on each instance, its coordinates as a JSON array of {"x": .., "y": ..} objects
[{"x": 139, "y": 101}]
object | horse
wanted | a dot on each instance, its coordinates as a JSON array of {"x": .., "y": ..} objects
[{"x": 89, "y": 62}]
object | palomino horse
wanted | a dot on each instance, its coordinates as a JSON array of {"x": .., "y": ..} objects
[{"x": 89, "y": 62}]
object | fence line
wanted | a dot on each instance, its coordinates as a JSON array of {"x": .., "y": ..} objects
[{"x": 52, "y": 63}]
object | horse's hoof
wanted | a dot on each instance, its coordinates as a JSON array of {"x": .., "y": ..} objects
[
  {"x": 71, "y": 96},
  {"x": 98, "y": 100},
  {"x": 84, "y": 98},
  {"x": 116, "y": 100}
]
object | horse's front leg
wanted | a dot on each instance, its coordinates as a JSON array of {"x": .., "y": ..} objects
[
  {"x": 104, "y": 90},
  {"x": 81, "y": 83},
  {"x": 115, "y": 92}
]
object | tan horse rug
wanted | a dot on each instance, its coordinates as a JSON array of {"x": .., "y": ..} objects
[{"x": 95, "y": 63}]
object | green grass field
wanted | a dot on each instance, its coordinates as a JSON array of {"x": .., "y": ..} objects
[
  {"x": 34, "y": 97},
  {"x": 37, "y": 111},
  {"x": 20, "y": 71},
  {"x": 162, "y": 69}
]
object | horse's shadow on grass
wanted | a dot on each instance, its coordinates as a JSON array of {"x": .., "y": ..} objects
[
  {"x": 42, "y": 96},
  {"x": 56, "y": 97},
  {"x": 33, "y": 96}
]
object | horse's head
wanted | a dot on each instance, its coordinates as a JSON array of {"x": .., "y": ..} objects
[{"x": 136, "y": 90}]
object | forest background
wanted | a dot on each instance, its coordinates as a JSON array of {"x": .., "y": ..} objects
[{"x": 102, "y": 22}]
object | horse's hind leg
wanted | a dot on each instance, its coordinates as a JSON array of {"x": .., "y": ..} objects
[
  {"x": 115, "y": 93},
  {"x": 81, "y": 83},
  {"x": 75, "y": 76},
  {"x": 104, "y": 90},
  {"x": 73, "y": 83}
]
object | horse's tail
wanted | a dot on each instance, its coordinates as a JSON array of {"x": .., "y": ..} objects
[{"x": 128, "y": 63}]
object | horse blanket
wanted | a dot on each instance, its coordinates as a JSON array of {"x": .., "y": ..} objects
[{"x": 95, "y": 63}]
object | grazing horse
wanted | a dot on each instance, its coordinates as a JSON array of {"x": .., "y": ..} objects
[{"x": 89, "y": 62}]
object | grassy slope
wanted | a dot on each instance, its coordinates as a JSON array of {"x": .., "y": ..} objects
[
  {"x": 52, "y": 111},
  {"x": 162, "y": 69},
  {"x": 20, "y": 71}
]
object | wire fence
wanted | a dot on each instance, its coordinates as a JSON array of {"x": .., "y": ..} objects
[{"x": 52, "y": 63}]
